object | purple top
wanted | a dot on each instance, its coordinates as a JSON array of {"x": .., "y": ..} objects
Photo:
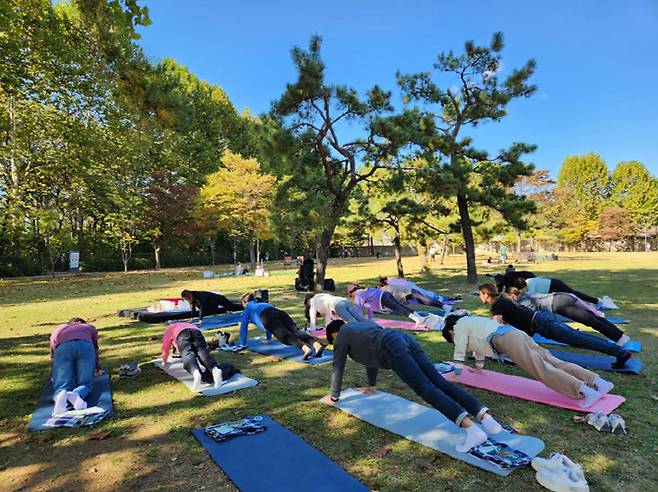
[
  {"x": 369, "y": 299},
  {"x": 74, "y": 331}
]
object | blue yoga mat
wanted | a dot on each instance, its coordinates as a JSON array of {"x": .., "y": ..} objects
[
  {"x": 277, "y": 460},
  {"x": 427, "y": 426},
  {"x": 598, "y": 362},
  {"x": 631, "y": 345},
  {"x": 613, "y": 319},
  {"x": 100, "y": 396},
  {"x": 220, "y": 321},
  {"x": 277, "y": 349}
]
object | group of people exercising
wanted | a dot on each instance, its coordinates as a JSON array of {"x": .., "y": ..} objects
[{"x": 517, "y": 311}]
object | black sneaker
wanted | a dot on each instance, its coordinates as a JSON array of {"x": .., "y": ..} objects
[{"x": 621, "y": 360}]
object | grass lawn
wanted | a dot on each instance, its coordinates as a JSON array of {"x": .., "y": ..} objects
[{"x": 150, "y": 446}]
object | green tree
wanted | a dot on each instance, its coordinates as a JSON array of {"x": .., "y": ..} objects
[
  {"x": 455, "y": 167},
  {"x": 586, "y": 179},
  {"x": 636, "y": 190}
]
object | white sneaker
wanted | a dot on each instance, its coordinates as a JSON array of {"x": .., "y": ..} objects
[
  {"x": 561, "y": 481},
  {"x": 607, "y": 303}
]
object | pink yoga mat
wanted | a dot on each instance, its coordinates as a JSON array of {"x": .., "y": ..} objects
[
  {"x": 529, "y": 389},
  {"x": 398, "y": 324}
]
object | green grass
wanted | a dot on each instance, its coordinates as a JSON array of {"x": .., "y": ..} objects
[{"x": 150, "y": 446}]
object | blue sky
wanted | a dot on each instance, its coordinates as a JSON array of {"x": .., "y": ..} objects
[{"x": 597, "y": 72}]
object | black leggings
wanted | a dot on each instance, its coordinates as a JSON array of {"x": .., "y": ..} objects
[
  {"x": 559, "y": 286},
  {"x": 567, "y": 305},
  {"x": 421, "y": 298},
  {"x": 193, "y": 348},
  {"x": 284, "y": 328},
  {"x": 390, "y": 302}
]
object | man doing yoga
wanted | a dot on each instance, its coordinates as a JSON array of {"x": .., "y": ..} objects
[{"x": 377, "y": 348}]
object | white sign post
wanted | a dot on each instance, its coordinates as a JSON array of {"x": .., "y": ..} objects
[{"x": 74, "y": 261}]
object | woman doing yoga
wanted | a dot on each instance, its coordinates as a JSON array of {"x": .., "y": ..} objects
[
  {"x": 542, "y": 285},
  {"x": 405, "y": 291},
  {"x": 330, "y": 307}
]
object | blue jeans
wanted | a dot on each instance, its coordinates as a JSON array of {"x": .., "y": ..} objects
[
  {"x": 408, "y": 361},
  {"x": 547, "y": 325},
  {"x": 73, "y": 367}
]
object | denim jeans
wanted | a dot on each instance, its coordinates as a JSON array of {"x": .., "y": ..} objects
[
  {"x": 408, "y": 361},
  {"x": 73, "y": 367},
  {"x": 547, "y": 325},
  {"x": 346, "y": 311}
]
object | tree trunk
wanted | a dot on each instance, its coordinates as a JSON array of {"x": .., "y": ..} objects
[
  {"x": 469, "y": 244},
  {"x": 445, "y": 248},
  {"x": 126, "y": 253},
  {"x": 79, "y": 231},
  {"x": 252, "y": 255},
  {"x": 518, "y": 241},
  {"x": 398, "y": 253},
  {"x": 322, "y": 255},
  {"x": 156, "y": 251},
  {"x": 212, "y": 251},
  {"x": 371, "y": 243}
]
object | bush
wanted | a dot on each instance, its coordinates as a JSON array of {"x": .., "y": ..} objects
[{"x": 18, "y": 266}]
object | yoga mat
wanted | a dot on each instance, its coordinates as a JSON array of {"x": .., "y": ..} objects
[
  {"x": 100, "y": 396},
  {"x": 236, "y": 382},
  {"x": 631, "y": 345},
  {"x": 289, "y": 352},
  {"x": 426, "y": 426},
  {"x": 613, "y": 319},
  {"x": 598, "y": 362},
  {"x": 220, "y": 321},
  {"x": 398, "y": 324},
  {"x": 529, "y": 389},
  {"x": 277, "y": 460}
]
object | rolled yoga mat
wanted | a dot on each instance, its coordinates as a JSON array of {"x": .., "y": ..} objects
[
  {"x": 100, "y": 396},
  {"x": 277, "y": 460},
  {"x": 177, "y": 371},
  {"x": 289, "y": 352},
  {"x": 427, "y": 426},
  {"x": 631, "y": 345},
  {"x": 598, "y": 362},
  {"x": 529, "y": 389}
]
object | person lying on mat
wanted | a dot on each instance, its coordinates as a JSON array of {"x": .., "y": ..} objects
[
  {"x": 207, "y": 303},
  {"x": 542, "y": 285},
  {"x": 572, "y": 307},
  {"x": 374, "y": 299},
  {"x": 330, "y": 307},
  {"x": 377, "y": 348},
  {"x": 74, "y": 358},
  {"x": 486, "y": 337},
  {"x": 188, "y": 339},
  {"x": 405, "y": 291},
  {"x": 275, "y": 322},
  {"x": 504, "y": 309}
]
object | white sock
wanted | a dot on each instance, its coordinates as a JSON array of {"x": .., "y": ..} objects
[
  {"x": 60, "y": 402},
  {"x": 76, "y": 400},
  {"x": 474, "y": 436},
  {"x": 196, "y": 378},
  {"x": 603, "y": 386},
  {"x": 217, "y": 376},
  {"x": 490, "y": 425},
  {"x": 591, "y": 396},
  {"x": 623, "y": 340}
]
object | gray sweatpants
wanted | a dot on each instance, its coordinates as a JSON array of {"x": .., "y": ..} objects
[{"x": 348, "y": 312}]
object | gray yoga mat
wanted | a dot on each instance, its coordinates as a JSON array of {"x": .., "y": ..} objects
[
  {"x": 427, "y": 426},
  {"x": 177, "y": 371}
]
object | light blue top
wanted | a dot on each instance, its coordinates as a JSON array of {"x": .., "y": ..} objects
[
  {"x": 538, "y": 285},
  {"x": 251, "y": 314}
]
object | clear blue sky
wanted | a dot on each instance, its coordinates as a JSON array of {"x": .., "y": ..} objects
[{"x": 597, "y": 60}]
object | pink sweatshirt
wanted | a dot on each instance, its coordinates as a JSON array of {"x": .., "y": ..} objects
[
  {"x": 171, "y": 334},
  {"x": 74, "y": 331}
]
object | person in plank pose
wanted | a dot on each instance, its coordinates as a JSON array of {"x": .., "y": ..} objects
[
  {"x": 570, "y": 306},
  {"x": 504, "y": 309},
  {"x": 330, "y": 307},
  {"x": 207, "y": 303},
  {"x": 188, "y": 339},
  {"x": 275, "y": 322},
  {"x": 74, "y": 359},
  {"x": 374, "y": 299},
  {"x": 405, "y": 291},
  {"x": 377, "y": 348},
  {"x": 487, "y": 337},
  {"x": 542, "y": 285}
]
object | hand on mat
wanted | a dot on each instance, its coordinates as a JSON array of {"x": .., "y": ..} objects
[
  {"x": 327, "y": 400},
  {"x": 367, "y": 390}
]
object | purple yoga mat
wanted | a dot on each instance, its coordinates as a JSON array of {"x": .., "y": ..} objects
[
  {"x": 529, "y": 389},
  {"x": 398, "y": 324}
]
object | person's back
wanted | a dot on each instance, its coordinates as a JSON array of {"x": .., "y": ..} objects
[{"x": 361, "y": 341}]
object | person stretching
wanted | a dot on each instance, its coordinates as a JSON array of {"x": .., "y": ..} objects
[
  {"x": 374, "y": 299},
  {"x": 488, "y": 338},
  {"x": 188, "y": 339},
  {"x": 330, "y": 307},
  {"x": 74, "y": 358},
  {"x": 542, "y": 285},
  {"x": 275, "y": 322},
  {"x": 377, "y": 348},
  {"x": 547, "y": 325},
  {"x": 207, "y": 303},
  {"x": 405, "y": 291},
  {"x": 573, "y": 308}
]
